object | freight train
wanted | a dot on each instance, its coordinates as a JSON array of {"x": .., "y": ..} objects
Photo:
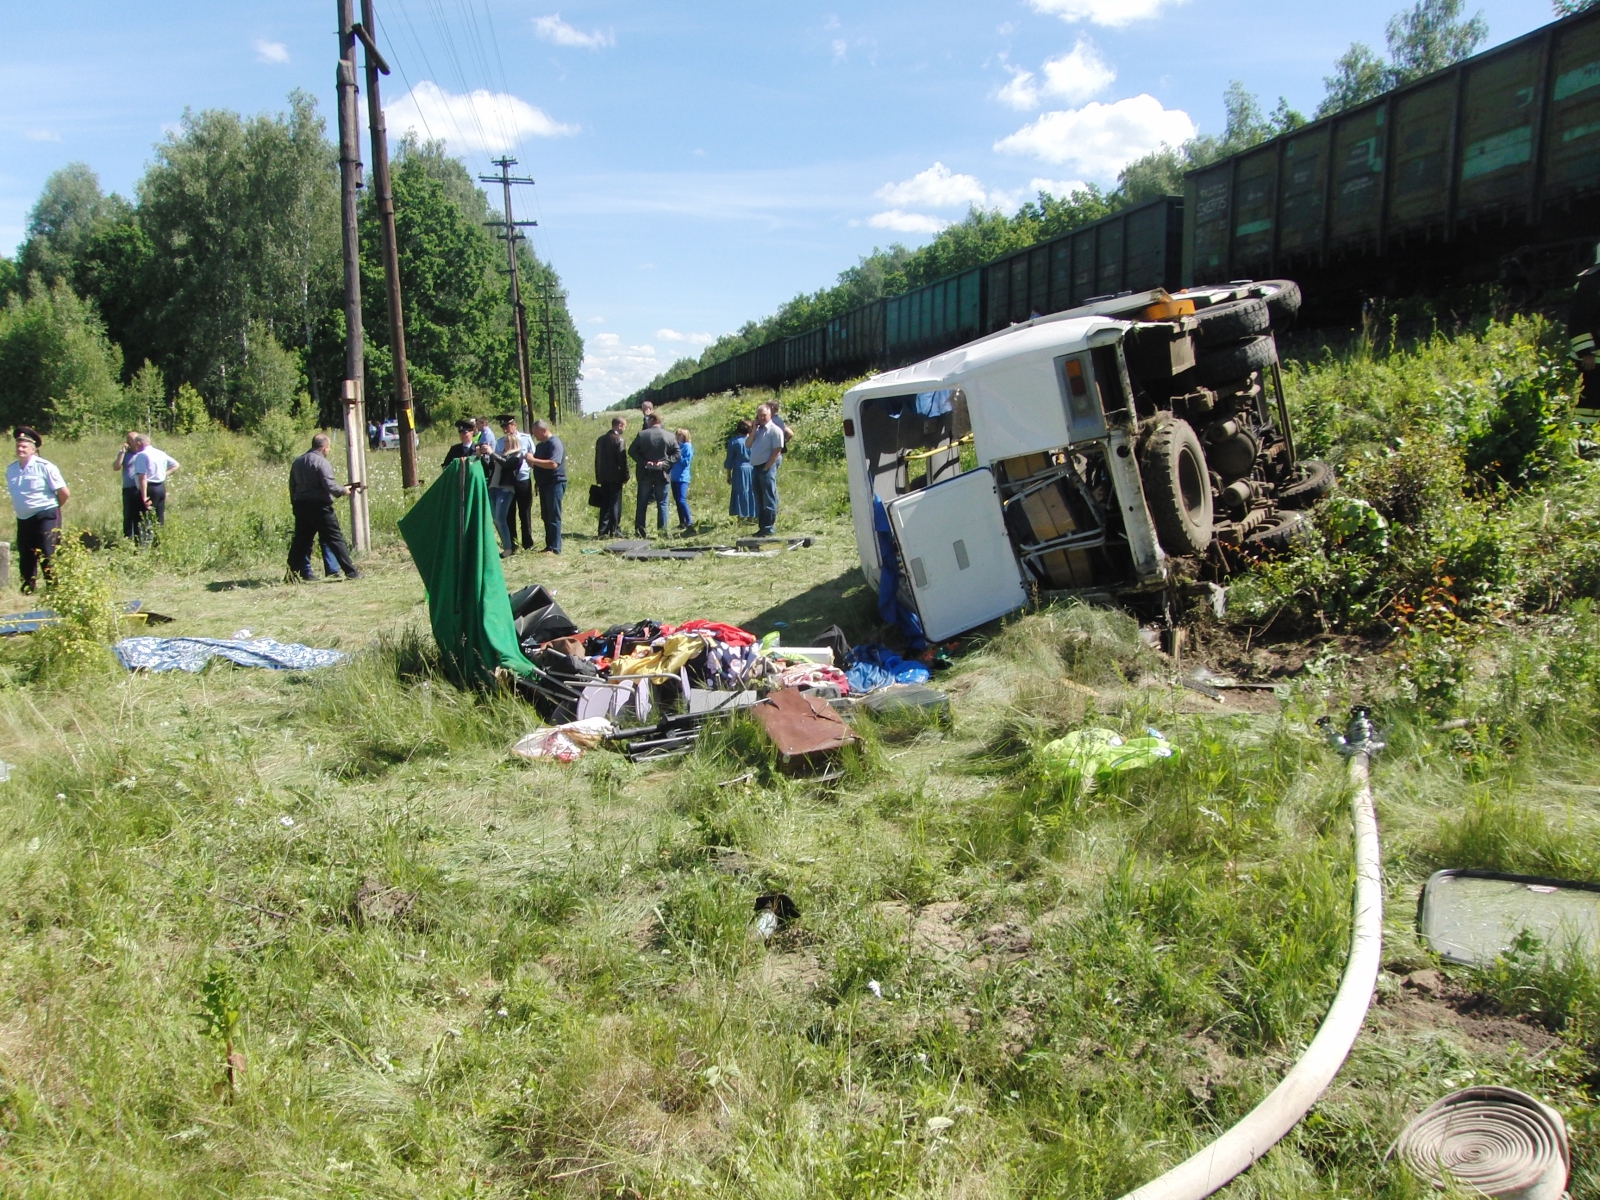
[{"x": 1487, "y": 171}]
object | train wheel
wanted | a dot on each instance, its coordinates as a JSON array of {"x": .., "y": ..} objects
[{"x": 1177, "y": 487}]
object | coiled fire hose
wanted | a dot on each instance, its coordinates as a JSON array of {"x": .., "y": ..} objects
[
  {"x": 1490, "y": 1141},
  {"x": 1264, "y": 1125}
]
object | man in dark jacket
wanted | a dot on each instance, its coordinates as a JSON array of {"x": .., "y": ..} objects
[
  {"x": 312, "y": 491},
  {"x": 611, "y": 473},
  {"x": 655, "y": 450},
  {"x": 1583, "y": 327}
]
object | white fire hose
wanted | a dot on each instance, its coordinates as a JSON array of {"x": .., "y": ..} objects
[
  {"x": 1493, "y": 1141},
  {"x": 1264, "y": 1125}
]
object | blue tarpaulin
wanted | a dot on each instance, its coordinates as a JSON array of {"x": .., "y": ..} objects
[{"x": 192, "y": 654}]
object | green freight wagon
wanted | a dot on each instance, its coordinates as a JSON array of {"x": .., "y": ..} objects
[
  {"x": 1134, "y": 250},
  {"x": 1499, "y": 154}
]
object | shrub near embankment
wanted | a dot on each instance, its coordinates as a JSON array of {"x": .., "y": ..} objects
[{"x": 1462, "y": 491}]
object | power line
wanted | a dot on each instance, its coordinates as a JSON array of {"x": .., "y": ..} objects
[
  {"x": 399, "y": 63},
  {"x": 427, "y": 63}
]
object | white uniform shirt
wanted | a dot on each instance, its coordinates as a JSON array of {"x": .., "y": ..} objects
[
  {"x": 154, "y": 463},
  {"x": 33, "y": 488}
]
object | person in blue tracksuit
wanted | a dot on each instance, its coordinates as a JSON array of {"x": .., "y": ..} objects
[{"x": 679, "y": 476}]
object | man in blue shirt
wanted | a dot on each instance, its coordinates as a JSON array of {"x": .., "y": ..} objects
[
  {"x": 132, "y": 506},
  {"x": 37, "y": 493},
  {"x": 549, "y": 463},
  {"x": 766, "y": 449},
  {"x": 519, "y": 446}
]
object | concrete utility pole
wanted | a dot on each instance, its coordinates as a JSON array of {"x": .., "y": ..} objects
[
  {"x": 519, "y": 316},
  {"x": 355, "y": 415},
  {"x": 366, "y": 31}
]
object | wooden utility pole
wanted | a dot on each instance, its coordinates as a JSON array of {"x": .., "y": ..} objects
[
  {"x": 519, "y": 316},
  {"x": 366, "y": 31},
  {"x": 355, "y": 416},
  {"x": 556, "y": 384}
]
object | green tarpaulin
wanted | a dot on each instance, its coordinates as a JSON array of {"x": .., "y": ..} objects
[{"x": 450, "y": 534}]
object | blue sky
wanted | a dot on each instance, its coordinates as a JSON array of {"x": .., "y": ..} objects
[{"x": 697, "y": 164}]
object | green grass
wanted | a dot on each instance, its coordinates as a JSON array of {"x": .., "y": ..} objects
[{"x": 461, "y": 975}]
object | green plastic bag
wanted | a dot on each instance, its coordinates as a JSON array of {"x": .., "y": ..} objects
[{"x": 1096, "y": 752}]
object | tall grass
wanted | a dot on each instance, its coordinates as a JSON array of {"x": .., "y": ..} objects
[{"x": 460, "y": 974}]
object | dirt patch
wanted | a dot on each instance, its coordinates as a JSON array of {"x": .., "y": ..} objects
[
  {"x": 1427, "y": 1000},
  {"x": 936, "y": 932},
  {"x": 376, "y": 904},
  {"x": 797, "y": 972},
  {"x": 1003, "y": 943},
  {"x": 1268, "y": 655}
]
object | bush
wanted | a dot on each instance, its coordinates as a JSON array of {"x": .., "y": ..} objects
[
  {"x": 58, "y": 369},
  {"x": 80, "y": 591},
  {"x": 1452, "y": 455},
  {"x": 144, "y": 400},
  {"x": 279, "y": 436},
  {"x": 267, "y": 382},
  {"x": 189, "y": 413},
  {"x": 813, "y": 410}
]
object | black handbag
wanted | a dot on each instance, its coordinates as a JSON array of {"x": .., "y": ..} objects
[{"x": 597, "y": 496}]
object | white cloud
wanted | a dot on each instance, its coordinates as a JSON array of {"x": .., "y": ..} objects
[
  {"x": 904, "y": 222},
  {"x": 1074, "y": 76},
  {"x": 1100, "y": 139},
  {"x": 840, "y": 49},
  {"x": 694, "y": 339},
  {"x": 937, "y": 187},
  {"x": 1101, "y": 12},
  {"x": 42, "y": 135},
  {"x": 597, "y": 320},
  {"x": 1059, "y": 188},
  {"x": 271, "y": 52},
  {"x": 481, "y": 121},
  {"x": 1078, "y": 74},
  {"x": 1021, "y": 93},
  {"x": 613, "y": 369},
  {"x": 554, "y": 29}
]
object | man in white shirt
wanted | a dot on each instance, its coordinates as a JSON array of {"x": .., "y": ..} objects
[
  {"x": 517, "y": 449},
  {"x": 150, "y": 470},
  {"x": 37, "y": 493},
  {"x": 766, "y": 450}
]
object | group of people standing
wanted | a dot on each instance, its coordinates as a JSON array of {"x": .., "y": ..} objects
[
  {"x": 516, "y": 465},
  {"x": 39, "y": 492},
  {"x": 144, "y": 470},
  {"x": 664, "y": 459}
]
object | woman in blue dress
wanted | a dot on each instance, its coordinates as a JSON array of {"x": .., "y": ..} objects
[{"x": 742, "y": 501}]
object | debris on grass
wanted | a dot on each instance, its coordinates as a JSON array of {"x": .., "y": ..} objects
[{"x": 193, "y": 654}]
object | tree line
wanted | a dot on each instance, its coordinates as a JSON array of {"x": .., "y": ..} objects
[
  {"x": 1427, "y": 37},
  {"x": 215, "y": 293}
]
